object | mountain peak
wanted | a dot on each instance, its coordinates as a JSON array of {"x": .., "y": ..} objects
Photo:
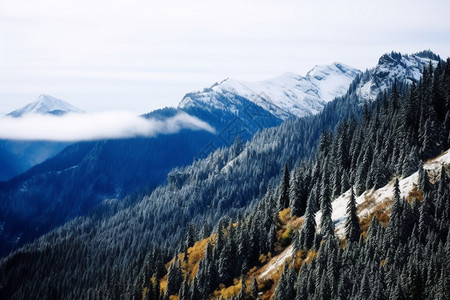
[
  {"x": 45, "y": 104},
  {"x": 287, "y": 95},
  {"x": 428, "y": 54},
  {"x": 395, "y": 67},
  {"x": 332, "y": 80}
]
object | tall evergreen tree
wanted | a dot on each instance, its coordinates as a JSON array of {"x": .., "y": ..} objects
[
  {"x": 352, "y": 229},
  {"x": 254, "y": 289},
  {"x": 284, "y": 189},
  {"x": 308, "y": 231},
  {"x": 174, "y": 278},
  {"x": 326, "y": 222},
  {"x": 286, "y": 285}
]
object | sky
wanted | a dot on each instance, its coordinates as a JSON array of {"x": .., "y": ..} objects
[{"x": 140, "y": 55}]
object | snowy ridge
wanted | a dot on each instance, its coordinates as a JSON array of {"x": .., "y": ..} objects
[
  {"x": 365, "y": 205},
  {"x": 394, "y": 67},
  {"x": 285, "y": 96},
  {"x": 45, "y": 104},
  {"x": 364, "y": 202}
]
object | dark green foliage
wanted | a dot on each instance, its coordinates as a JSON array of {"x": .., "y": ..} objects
[
  {"x": 286, "y": 285},
  {"x": 299, "y": 192},
  {"x": 326, "y": 223},
  {"x": 352, "y": 230},
  {"x": 387, "y": 264},
  {"x": 308, "y": 232},
  {"x": 254, "y": 289},
  {"x": 242, "y": 294},
  {"x": 284, "y": 190},
  {"x": 175, "y": 278}
]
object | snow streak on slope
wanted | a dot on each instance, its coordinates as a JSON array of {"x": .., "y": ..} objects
[
  {"x": 368, "y": 201},
  {"x": 45, "y": 104},
  {"x": 276, "y": 262},
  {"x": 284, "y": 96}
]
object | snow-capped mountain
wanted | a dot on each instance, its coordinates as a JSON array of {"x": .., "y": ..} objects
[
  {"x": 393, "y": 67},
  {"x": 45, "y": 104},
  {"x": 285, "y": 96},
  {"x": 18, "y": 156}
]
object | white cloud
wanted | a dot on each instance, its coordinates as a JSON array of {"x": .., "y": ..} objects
[{"x": 94, "y": 126}]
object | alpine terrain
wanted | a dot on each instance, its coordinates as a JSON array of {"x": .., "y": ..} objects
[
  {"x": 44, "y": 196},
  {"x": 308, "y": 190}
]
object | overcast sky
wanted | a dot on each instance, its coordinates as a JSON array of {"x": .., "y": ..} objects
[{"x": 139, "y": 55}]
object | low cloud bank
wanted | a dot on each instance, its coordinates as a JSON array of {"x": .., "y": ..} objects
[{"x": 94, "y": 126}]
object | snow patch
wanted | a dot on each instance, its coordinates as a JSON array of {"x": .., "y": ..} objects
[
  {"x": 276, "y": 262},
  {"x": 380, "y": 195}
]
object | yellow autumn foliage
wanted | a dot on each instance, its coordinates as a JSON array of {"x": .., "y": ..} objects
[
  {"x": 310, "y": 256},
  {"x": 285, "y": 215},
  {"x": 228, "y": 292}
]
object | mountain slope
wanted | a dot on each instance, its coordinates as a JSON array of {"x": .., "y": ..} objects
[
  {"x": 394, "y": 67},
  {"x": 240, "y": 120},
  {"x": 226, "y": 184},
  {"x": 19, "y": 156},
  {"x": 82, "y": 176},
  {"x": 354, "y": 154},
  {"x": 285, "y": 96}
]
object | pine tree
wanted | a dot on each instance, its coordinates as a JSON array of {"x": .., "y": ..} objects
[
  {"x": 352, "y": 230},
  {"x": 424, "y": 181},
  {"x": 284, "y": 190},
  {"x": 174, "y": 278},
  {"x": 227, "y": 261},
  {"x": 298, "y": 195},
  {"x": 426, "y": 220},
  {"x": 326, "y": 222},
  {"x": 308, "y": 232},
  {"x": 242, "y": 293},
  {"x": 254, "y": 289},
  {"x": 394, "y": 226},
  {"x": 285, "y": 289},
  {"x": 190, "y": 237},
  {"x": 194, "y": 292},
  {"x": 364, "y": 160}
]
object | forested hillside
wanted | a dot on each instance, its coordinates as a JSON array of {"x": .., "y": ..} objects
[
  {"x": 84, "y": 175},
  {"x": 248, "y": 194},
  {"x": 402, "y": 254}
]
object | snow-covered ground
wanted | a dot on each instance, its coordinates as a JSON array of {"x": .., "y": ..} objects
[
  {"x": 276, "y": 262},
  {"x": 378, "y": 196},
  {"x": 388, "y": 69},
  {"x": 433, "y": 167},
  {"x": 284, "y": 96}
]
